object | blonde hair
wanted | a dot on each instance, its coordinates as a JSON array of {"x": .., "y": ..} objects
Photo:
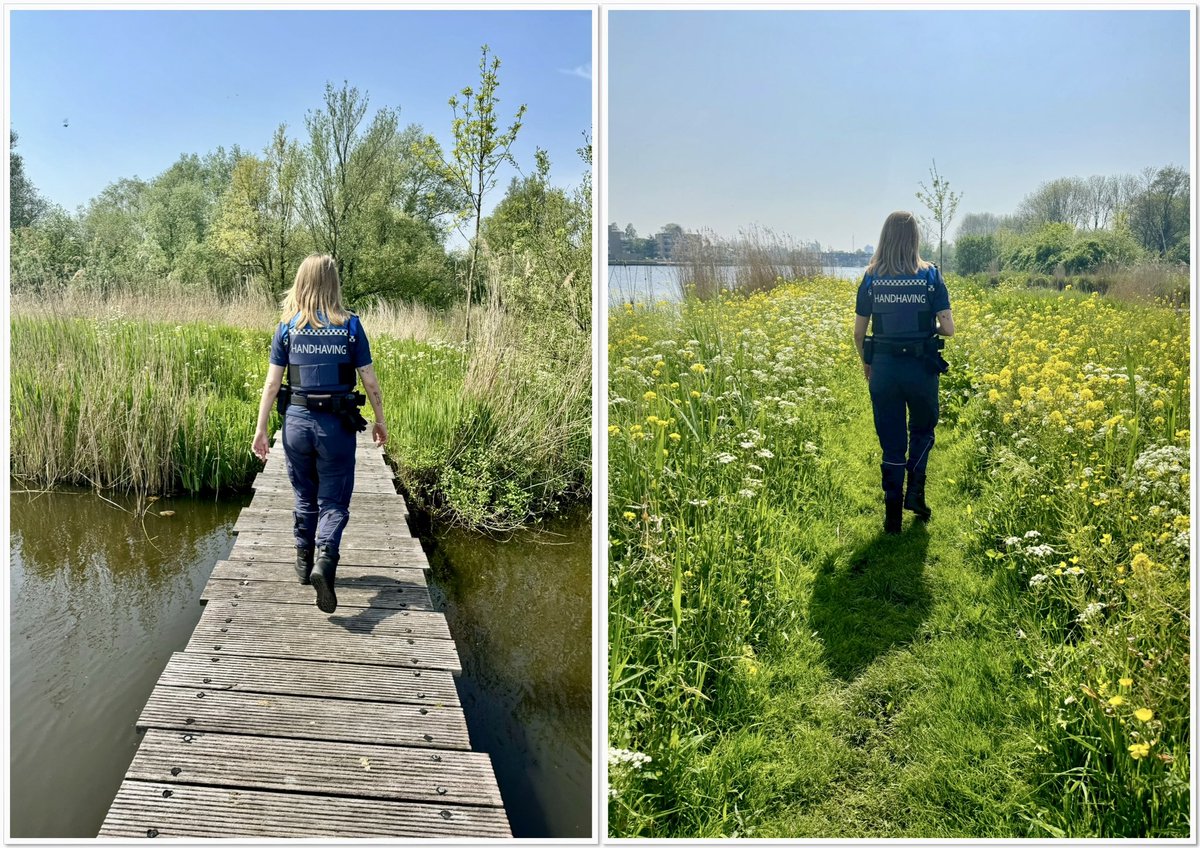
[
  {"x": 316, "y": 293},
  {"x": 898, "y": 253}
]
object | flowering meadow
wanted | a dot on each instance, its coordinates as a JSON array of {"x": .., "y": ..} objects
[{"x": 1018, "y": 667}]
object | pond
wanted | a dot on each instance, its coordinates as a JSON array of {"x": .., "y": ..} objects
[{"x": 99, "y": 600}]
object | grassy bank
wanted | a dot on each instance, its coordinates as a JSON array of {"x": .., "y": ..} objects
[
  {"x": 146, "y": 396},
  {"x": 1018, "y": 667}
]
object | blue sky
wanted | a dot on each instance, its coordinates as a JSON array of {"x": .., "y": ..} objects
[
  {"x": 820, "y": 123},
  {"x": 141, "y": 87}
]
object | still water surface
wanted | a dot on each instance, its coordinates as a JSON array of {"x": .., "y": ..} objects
[
  {"x": 648, "y": 283},
  {"x": 98, "y": 604}
]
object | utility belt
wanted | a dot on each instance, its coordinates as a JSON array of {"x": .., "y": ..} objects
[
  {"x": 345, "y": 406},
  {"x": 926, "y": 349}
]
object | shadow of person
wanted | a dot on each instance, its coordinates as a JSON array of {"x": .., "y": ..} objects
[
  {"x": 867, "y": 603},
  {"x": 390, "y": 597}
]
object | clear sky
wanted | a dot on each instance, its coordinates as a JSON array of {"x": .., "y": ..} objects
[
  {"x": 820, "y": 123},
  {"x": 139, "y": 88}
]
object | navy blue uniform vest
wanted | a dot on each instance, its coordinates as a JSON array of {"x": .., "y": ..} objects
[
  {"x": 320, "y": 360},
  {"x": 902, "y": 308}
]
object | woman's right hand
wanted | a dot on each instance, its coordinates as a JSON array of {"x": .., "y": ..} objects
[
  {"x": 379, "y": 434},
  {"x": 867, "y": 371}
]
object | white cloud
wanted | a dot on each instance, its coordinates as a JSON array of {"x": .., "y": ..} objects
[{"x": 581, "y": 71}]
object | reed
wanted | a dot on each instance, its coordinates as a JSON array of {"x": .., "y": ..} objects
[{"x": 153, "y": 394}]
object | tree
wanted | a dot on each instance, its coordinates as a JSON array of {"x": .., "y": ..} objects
[
  {"x": 479, "y": 151},
  {"x": 343, "y": 170},
  {"x": 1061, "y": 201},
  {"x": 26, "y": 206},
  {"x": 974, "y": 253},
  {"x": 941, "y": 202},
  {"x": 1160, "y": 216},
  {"x": 548, "y": 232}
]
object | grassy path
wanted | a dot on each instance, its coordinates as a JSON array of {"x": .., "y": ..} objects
[{"x": 899, "y": 710}]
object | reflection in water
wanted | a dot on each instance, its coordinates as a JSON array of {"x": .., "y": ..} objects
[
  {"x": 99, "y": 602},
  {"x": 521, "y": 613}
]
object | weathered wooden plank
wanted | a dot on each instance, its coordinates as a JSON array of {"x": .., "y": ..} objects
[
  {"x": 228, "y": 569},
  {"x": 368, "y": 487},
  {"x": 302, "y": 677},
  {"x": 325, "y": 768},
  {"x": 350, "y": 593},
  {"x": 347, "y": 640},
  {"x": 140, "y": 809},
  {"x": 280, "y": 623},
  {"x": 192, "y": 711},
  {"x": 246, "y": 549},
  {"x": 280, "y": 521},
  {"x": 359, "y": 537},
  {"x": 361, "y": 500}
]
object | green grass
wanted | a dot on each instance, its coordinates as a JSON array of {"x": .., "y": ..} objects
[
  {"x": 791, "y": 672},
  {"x": 150, "y": 407}
]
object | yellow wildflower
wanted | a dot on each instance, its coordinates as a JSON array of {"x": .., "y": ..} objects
[
  {"x": 1126, "y": 682},
  {"x": 1116, "y": 700},
  {"x": 650, "y": 396},
  {"x": 1144, "y": 714},
  {"x": 1139, "y": 750}
]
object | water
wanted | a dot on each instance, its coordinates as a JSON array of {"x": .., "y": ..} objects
[
  {"x": 97, "y": 608},
  {"x": 649, "y": 283},
  {"x": 521, "y": 614}
]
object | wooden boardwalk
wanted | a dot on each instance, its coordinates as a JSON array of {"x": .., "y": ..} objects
[{"x": 278, "y": 720}]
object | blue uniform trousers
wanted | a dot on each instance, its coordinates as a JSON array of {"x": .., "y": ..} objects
[
  {"x": 320, "y": 454},
  {"x": 901, "y": 384}
]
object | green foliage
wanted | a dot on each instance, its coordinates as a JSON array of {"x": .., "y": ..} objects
[
  {"x": 1043, "y": 250},
  {"x": 975, "y": 253},
  {"x": 26, "y": 206},
  {"x": 542, "y": 237}
]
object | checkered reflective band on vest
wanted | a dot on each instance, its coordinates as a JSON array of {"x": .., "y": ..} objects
[
  {"x": 320, "y": 358},
  {"x": 902, "y": 307}
]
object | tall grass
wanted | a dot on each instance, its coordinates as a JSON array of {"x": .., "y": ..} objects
[{"x": 151, "y": 394}]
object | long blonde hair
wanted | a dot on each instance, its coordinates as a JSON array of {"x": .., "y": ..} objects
[
  {"x": 898, "y": 253},
  {"x": 316, "y": 293}
]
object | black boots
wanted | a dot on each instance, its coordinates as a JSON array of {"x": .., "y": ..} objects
[
  {"x": 304, "y": 564},
  {"x": 894, "y": 515},
  {"x": 323, "y": 572},
  {"x": 914, "y": 496}
]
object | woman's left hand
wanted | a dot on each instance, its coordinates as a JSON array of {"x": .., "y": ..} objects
[{"x": 260, "y": 446}]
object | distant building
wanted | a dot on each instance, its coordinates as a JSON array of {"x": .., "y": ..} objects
[{"x": 616, "y": 242}]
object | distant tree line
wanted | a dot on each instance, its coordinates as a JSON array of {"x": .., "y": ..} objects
[
  {"x": 381, "y": 198},
  {"x": 1074, "y": 225}
]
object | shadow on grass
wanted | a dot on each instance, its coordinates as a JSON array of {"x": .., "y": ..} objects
[{"x": 867, "y": 603}]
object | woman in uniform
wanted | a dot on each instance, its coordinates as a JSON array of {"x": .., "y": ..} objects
[
  {"x": 322, "y": 346},
  {"x": 905, "y": 300}
]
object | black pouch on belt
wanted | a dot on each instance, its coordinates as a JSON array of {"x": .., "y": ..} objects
[
  {"x": 283, "y": 399},
  {"x": 934, "y": 361},
  {"x": 868, "y": 349},
  {"x": 348, "y": 412}
]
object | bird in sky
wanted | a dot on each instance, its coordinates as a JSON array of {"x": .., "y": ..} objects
[{"x": 65, "y": 122}]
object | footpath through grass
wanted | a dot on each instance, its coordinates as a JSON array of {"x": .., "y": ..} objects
[{"x": 1015, "y": 668}]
